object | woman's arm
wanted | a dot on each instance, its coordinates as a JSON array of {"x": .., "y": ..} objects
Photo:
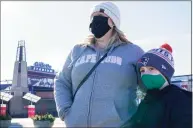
[{"x": 63, "y": 89}]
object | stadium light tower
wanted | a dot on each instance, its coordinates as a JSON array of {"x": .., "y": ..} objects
[
  {"x": 20, "y": 68},
  {"x": 19, "y": 83}
]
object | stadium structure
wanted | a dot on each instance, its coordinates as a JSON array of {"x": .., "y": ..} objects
[{"x": 38, "y": 79}]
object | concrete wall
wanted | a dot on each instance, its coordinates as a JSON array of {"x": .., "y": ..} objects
[
  {"x": 43, "y": 106},
  {"x": 16, "y": 107},
  {"x": 46, "y": 105}
]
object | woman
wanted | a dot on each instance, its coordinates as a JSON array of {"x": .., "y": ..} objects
[{"x": 107, "y": 97}]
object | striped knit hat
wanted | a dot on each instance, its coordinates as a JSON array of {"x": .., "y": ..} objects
[{"x": 159, "y": 58}]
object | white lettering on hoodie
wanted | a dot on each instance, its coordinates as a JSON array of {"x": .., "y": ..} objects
[{"x": 91, "y": 58}]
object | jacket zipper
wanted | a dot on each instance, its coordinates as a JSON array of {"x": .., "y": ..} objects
[{"x": 90, "y": 100}]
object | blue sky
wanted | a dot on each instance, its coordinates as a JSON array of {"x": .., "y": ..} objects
[{"x": 51, "y": 29}]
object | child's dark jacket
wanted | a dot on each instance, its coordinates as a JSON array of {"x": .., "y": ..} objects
[{"x": 170, "y": 107}]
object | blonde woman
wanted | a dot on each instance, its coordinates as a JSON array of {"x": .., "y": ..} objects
[{"x": 97, "y": 85}]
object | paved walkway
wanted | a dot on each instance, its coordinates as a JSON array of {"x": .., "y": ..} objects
[{"x": 27, "y": 122}]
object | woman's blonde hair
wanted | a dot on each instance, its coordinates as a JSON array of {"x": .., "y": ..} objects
[{"x": 118, "y": 35}]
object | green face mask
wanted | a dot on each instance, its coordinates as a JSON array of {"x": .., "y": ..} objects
[{"x": 153, "y": 81}]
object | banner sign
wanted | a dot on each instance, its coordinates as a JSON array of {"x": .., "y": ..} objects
[
  {"x": 41, "y": 67},
  {"x": 42, "y": 77},
  {"x": 183, "y": 82},
  {"x": 41, "y": 82}
]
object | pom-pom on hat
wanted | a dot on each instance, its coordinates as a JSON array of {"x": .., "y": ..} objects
[
  {"x": 159, "y": 58},
  {"x": 167, "y": 47}
]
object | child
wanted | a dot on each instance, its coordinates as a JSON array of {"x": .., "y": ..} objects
[{"x": 165, "y": 105}]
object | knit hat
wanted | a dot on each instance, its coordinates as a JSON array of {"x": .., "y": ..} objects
[
  {"x": 159, "y": 58},
  {"x": 109, "y": 9}
]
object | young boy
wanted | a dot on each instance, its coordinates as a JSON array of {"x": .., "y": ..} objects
[{"x": 165, "y": 105}]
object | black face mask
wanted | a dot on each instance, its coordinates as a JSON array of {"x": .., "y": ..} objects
[{"x": 99, "y": 26}]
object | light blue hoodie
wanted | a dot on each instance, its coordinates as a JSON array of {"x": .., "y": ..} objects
[{"x": 108, "y": 96}]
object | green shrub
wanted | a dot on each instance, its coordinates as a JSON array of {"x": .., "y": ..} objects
[
  {"x": 6, "y": 117},
  {"x": 45, "y": 117}
]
